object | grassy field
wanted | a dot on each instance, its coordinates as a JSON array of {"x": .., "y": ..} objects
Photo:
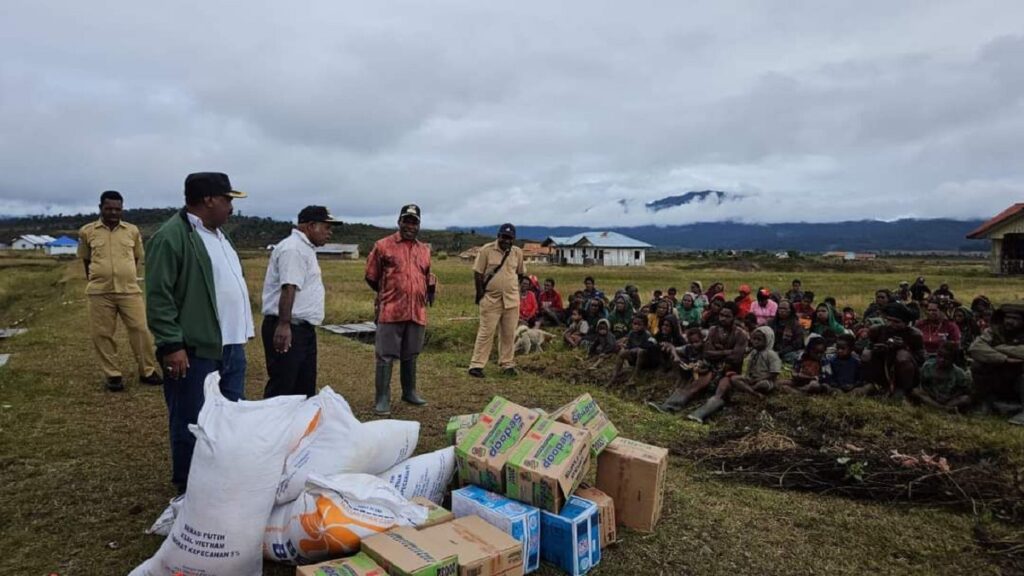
[{"x": 84, "y": 472}]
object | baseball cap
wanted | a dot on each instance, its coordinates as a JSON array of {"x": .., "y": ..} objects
[
  {"x": 409, "y": 210},
  {"x": 317, "y": 214},
  {"x": 202, "y": 184},
  {"x": 507, "y": 229}
]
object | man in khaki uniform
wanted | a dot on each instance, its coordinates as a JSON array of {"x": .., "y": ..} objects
[
  {"x": 497, "y": 271},
  {"x": 111, "y": 250}
]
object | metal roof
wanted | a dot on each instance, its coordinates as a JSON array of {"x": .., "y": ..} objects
[
  {"x": 600, "y": 239},
  {"x": 337, "y": 248},
  {"x": 982, "y": 231},
  {"x": 64, "y": 241},
  {"x": 37, "y": 239}
]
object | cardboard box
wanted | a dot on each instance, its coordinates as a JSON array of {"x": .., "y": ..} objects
[
  {"x": 482, "y": 454},
  {"x": 483, "y": 550},
  {"x": 518, "y": 520},
  {"x": 461, "y": 422},
  {"x": 548, "y": 464},
  {"x": 584, "y": 412},
  {"x": 406, "y": 551},
  {"x": 605, "y": 511},
  {"x": 435, "y": 514},
  {"x": 460, "y": 435},
  {"x": 633, "y": 474},
  {"x": 571, "y": 539},
  {"x": 358, "y": 565}
]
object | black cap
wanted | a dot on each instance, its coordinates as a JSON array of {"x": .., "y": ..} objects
[
  {"x": 507, "y": 229},
  {"x": 410, "y": 210},
  {"x": 202, "y": 184},
  {"x": 317, "y": 214}
]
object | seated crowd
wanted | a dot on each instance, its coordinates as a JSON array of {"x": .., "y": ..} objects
[{"x": 912, "y": 343}]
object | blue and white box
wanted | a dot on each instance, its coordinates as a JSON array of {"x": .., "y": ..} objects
[
  {"x": 519, "y": 520},
  {"x": 571, "y": 539}
]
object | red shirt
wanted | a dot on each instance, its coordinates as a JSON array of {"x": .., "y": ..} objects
[
  {"x": 554, "y": 298},
  {"x": 935, "y": 333},
  {"x": 400, "y": 268},
  {"x": 528, "y": 306}
]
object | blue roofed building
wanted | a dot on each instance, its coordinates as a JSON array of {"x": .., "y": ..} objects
[
  {"x": 598, "y": 248},
  {"x": 63, "y": 246}
]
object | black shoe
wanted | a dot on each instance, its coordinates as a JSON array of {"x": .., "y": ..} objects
[
  {"x": 476, "y": 372},
  {"x": 115, "y": 384},
  {"x": 153, "y": 379},
  {"x": 510, "y": 371}
]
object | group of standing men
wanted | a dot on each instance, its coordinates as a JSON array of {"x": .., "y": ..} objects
[{"x": 198, "y": 313}]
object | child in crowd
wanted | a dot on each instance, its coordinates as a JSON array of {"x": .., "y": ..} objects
[
  {"x": 943, "y": 384},
  {"x": 762, "y": 368},
  {"x": 577, "y": 329},
  {"x": 640, "y": 351},
  {"x": 689, "y": 360},
  {"x": 789, "y": 334},
  {"x": 844, "y": 367},
  {"x": 578, "y": 302},
  {"x": 808, "y": 371},
  {"x": 669, "y": 337},
  {"x": 528, "y": 306},
  {"x": 826, "y": 325},
  {"x": 804, "y": 310},
  {"x": 603, "y": 342}
]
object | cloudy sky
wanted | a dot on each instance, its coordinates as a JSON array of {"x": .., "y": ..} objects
[{"x": 538, "y": 112}]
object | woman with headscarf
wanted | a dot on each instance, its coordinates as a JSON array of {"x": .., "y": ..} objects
[
  {"x": 688, "y": 311},
  {"x": 789, "y": 334},
  {"x": 621, "y": 316},
  {"x": 964, "y": 319},
  {"x": 743, "y": 301},
  {"x": 714, "y": 290},
  {"x": 697, "y": 290},
  {"x": 826, "y": 325}
]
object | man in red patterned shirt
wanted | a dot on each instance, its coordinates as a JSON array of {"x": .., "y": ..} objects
[{"x": 398, "y": 270}]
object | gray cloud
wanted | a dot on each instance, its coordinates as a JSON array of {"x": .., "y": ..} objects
[{"x": 548, "y": 113}]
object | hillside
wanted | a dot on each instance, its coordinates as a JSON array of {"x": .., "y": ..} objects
[
  {"x": 248, "y": 232},
  {"x": 866, "y": 235}
]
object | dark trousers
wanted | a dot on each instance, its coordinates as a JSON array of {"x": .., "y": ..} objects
[
  {"x": 184, "y": 398},
  {"x": 293, "y": 372}
]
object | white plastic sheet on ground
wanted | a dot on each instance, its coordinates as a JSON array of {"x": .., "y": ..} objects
[
  {"x": 240, "y": 449},
  {"x": 332, "y": 516},
  {"x": 336, "y": 442},
  {"x": 426, "y": 475}
]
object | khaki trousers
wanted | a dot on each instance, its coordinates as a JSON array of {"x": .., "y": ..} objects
[
  {"x": 494, "y": 317},
  {"x": 103, "y": 311}
]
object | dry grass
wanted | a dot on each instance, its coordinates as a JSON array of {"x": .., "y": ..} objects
[{"x": 85, "y": 472}]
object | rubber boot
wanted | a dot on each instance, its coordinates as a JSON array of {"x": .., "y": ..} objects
[
  {"x": 408, "y": 376},
  {"x": 382, "y": 399},
  {"x": 675, "y": 402},
  {"x": 714, "y": 404},
  {"x": 1019, "y": 418}
]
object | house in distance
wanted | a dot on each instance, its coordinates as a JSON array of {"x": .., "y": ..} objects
[
  {"x": 1006, "y": 232},
  {"x": 597, "y": 248}
]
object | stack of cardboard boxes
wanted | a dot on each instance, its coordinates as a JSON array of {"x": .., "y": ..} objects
[{"x": 522, "y": 499}]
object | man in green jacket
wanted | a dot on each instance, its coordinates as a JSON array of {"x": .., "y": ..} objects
[
  {"x": 197, "y": 307},
  {"x": 997, "y": 356}
]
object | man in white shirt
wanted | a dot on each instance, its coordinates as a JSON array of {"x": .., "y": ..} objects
[
  {"x": 293, "y": 305},
  {"x": 197, "y": 307}
]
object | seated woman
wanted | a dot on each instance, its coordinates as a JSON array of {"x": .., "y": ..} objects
[
  {"x": 943, "y": 384},
  {"x": 937, "y": 329},
  {"x": 764, "y": 308},
  {"x": 621, "y": 316},
  {"x": 689, "y": 313},
  {"x": 662, "y": 309},
  {"x": 578, "y": 302},
  {"x": 997, "y": 361},
  {"x": 577, "y": 330},
  {"x": 697, "y": 291},
  {"x": 594, "y": 311},
  {"x": 826, "y": 325},
  {"x": 528, "y": 307},
  {"x": 964, "y": 319},
  {"x": 789, "y": 334}
]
